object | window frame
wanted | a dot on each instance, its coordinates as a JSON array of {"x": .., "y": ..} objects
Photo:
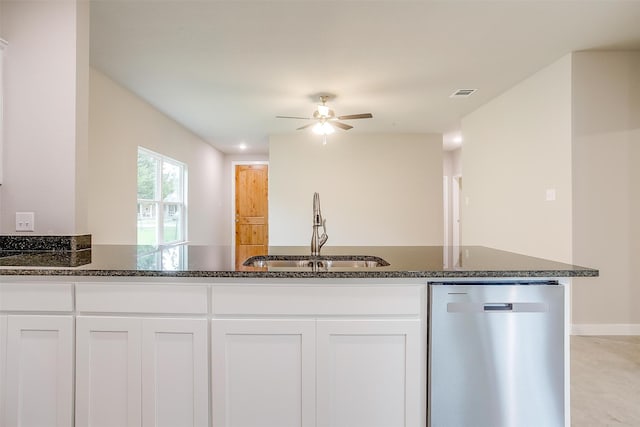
[{"x": 160, "y": 204}]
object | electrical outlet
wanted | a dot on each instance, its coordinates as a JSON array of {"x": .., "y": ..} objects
[
  {"x": 550, "y": 195},
  {"x": 25, "y": 221}
]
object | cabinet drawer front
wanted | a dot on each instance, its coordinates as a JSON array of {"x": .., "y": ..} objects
[
  {"x": 36, "y": 297},
  {"x": 405, "y": 300},
  {"x": 141, "y": 298}
]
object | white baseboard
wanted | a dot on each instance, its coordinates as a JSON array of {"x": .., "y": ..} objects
[{"x": 605, "y": 329}]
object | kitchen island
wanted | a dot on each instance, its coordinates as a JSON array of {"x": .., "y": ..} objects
[{"x": 128, "y": 335}]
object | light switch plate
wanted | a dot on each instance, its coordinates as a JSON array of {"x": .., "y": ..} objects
[
  {"x": 550, "y": 195},
  {"x": 25, "y": 221}
]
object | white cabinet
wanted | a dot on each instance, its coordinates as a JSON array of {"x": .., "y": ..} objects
[
  {"x": 325, "y": 356},
  {"x": 38, "y": 377},
  {"x": 160, "y": 354},
  {"x": 134, "y": 371},
  {"x": 108, "y": 372},
  {"x": 263, "y": 373},
  {"x": 36, "y": 354},
  {"x": 175, "y": 373},
  {"x": 368, "y": 373},
  {"x": 308, "y": 372},
  {"x": 142, "y": 359},
  {"x": 3, "y": 356}
]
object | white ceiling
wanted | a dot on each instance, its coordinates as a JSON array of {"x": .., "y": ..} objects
[{"x": 225, "y": 69}]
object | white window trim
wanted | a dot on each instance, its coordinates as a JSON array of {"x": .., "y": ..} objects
[{"x": 161, "y": 204}]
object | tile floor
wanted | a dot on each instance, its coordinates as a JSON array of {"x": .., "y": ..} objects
[{"x": 605, "y": 381}]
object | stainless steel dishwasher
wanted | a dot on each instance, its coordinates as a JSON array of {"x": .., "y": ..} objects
[{"x": 496, "y": 354}]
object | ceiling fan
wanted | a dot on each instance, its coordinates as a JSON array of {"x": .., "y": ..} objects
[{"x": 324, "y": 118}]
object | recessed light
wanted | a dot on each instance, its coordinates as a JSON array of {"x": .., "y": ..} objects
[{"x": 242, "y": 146}]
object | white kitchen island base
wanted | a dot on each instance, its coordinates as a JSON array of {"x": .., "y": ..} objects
[{"x": 190, "y": 352}]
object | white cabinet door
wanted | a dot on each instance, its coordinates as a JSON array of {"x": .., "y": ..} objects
[
  {"x": 133, "y": 371},
  {"x": 3, "y": 357},
  {"x": 368, "y": 373},
  {"x": 263, "y": 373},
  {"x": 108, "y": 372},
  {"x": 38, "y": 383},
  {"x": 175, "y": 373}
]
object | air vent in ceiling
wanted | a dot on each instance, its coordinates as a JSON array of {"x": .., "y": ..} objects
[{"x": 462, "y": 93}]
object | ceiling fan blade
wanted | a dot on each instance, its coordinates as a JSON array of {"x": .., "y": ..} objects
[
  {"x": 356, "y": 116},
  {"x": 305, "y": 126},
  {"x": 293, "y": 117},
  {"x": 341, "y": 125}
]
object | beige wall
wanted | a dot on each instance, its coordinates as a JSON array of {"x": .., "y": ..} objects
[
  {"x": 45, "y": 98},
  {"x": 515, "y": 148},
  {"x": 2, "y": 48},
  {"x": 579, "y": 116},
  {"x": 375, "y": 189},
  {"x": 119, "y": 122},
  {"x": 606, "y": 161},
  {"x": 82, "y": 118}
]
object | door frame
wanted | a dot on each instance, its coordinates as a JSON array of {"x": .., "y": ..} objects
[
  {"x": 456, "y": 190},
  {"x": 232, "y": 203},
  {"x": 456, "y": 236}
]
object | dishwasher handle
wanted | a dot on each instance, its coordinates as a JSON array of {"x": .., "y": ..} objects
[
  {"x": 506, "y": 306},
  {"x": 503, "y": 307}
]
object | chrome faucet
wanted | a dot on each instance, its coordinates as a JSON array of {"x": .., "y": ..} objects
[{"x": 317, "y": 240}]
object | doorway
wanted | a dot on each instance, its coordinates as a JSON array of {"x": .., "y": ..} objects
[
  {"x": 251, "y": 212},
  {"x": 456, "y": 188}
]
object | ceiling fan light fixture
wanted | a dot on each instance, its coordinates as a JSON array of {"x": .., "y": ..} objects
[
  {"x": 328, "y": 129},
  {"x": 323, "y": 128},
  {"x": 324, "y": 120},
  {"x": 323, "y": 110}
]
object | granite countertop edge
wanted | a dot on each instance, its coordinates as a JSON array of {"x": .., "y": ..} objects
[
  {"x": 298, "y": 274},
  {"x": 193, "y": 261}
]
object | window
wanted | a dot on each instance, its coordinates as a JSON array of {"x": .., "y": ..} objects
[{"x": 161, "y": 199}]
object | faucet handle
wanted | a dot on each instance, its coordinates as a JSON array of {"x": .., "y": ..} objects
[{"x": 324, "y": 237}]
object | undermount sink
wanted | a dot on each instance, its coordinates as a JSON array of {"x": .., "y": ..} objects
[{"x": 319, "y": 262}]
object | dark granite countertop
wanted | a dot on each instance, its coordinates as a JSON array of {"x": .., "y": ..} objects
[{"x": 215, "y": 261}]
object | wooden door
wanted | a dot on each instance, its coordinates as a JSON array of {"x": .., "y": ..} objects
[{"x": 252, "y": 226}]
